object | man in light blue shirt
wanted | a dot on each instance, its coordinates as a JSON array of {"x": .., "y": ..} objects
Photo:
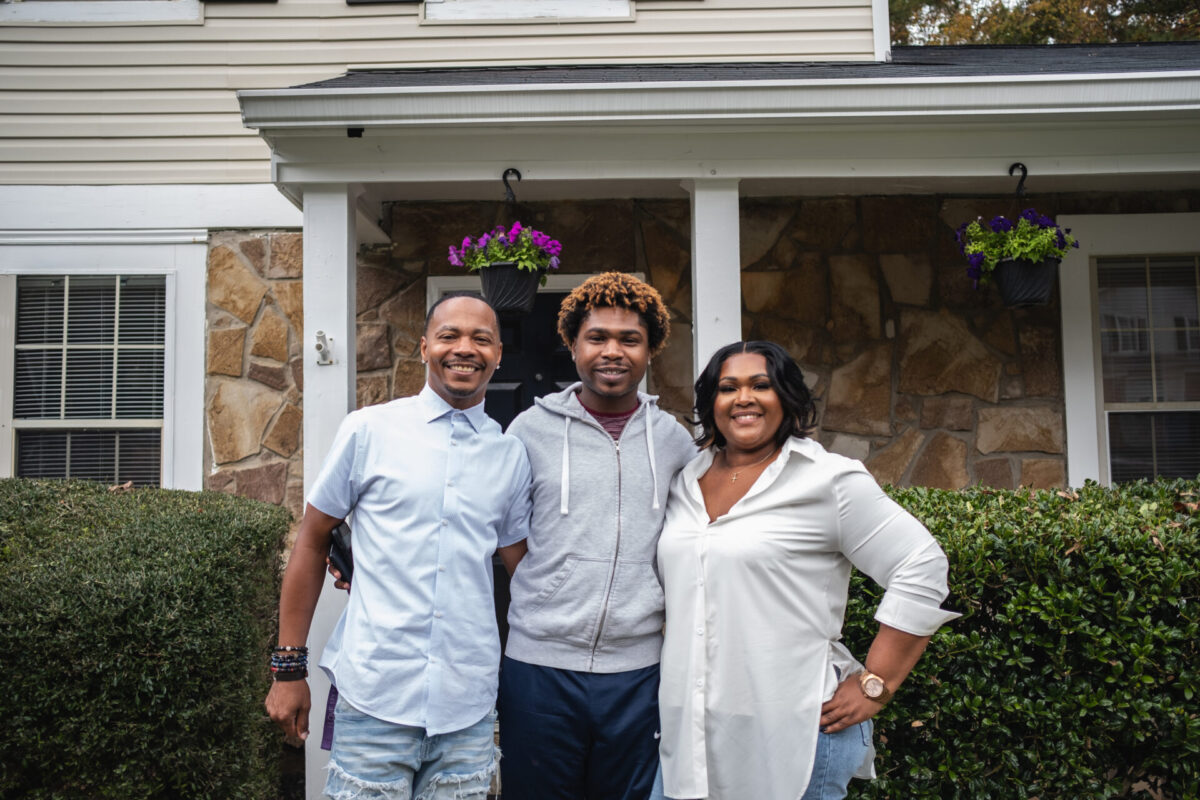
[{"x": 435, "y": 488}]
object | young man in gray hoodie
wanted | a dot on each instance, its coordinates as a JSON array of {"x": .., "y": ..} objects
[{"x": 578, "y": 684}]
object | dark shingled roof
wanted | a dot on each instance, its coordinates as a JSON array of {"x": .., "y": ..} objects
[{"x": 907, "y": 62}]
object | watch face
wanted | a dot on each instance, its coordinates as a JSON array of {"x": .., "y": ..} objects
[{"x": 873, "y": 687}]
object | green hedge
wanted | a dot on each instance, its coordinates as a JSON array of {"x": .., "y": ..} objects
[
  {"x": 1073, "y": 670},
  {"x": 134, "y": 629}
]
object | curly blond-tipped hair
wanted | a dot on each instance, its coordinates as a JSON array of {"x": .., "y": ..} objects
[{"x": 616, "y": 290}]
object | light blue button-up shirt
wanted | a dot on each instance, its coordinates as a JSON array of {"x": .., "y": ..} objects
[{"x": 434, "y": 491}]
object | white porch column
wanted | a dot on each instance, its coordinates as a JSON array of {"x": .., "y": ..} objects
[
  {"x": 329, "y": 394},
  {"x": 716, "y": 267}
]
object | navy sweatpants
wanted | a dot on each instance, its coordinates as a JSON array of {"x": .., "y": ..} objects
[{"x": 568, "y": 735}]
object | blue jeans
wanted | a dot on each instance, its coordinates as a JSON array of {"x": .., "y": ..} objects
[
  {"x": 838, "y": 757},
  {"x": 376, "y": 760}
]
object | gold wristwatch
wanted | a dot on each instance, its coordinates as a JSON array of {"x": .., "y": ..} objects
[{"x": 874, "y": 688}]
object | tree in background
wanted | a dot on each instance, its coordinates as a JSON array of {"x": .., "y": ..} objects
[{"x": 1043, "y": 21}]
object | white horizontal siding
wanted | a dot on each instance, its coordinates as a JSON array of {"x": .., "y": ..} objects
[{"x": 156, "y": 104}]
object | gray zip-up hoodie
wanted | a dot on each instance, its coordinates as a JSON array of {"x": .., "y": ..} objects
[{"x": 586, "y": 596}]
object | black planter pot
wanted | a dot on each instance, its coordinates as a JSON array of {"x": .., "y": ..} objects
[
  {"x": 508, "y": 288},
  {"x": 1026, "y": 283}
]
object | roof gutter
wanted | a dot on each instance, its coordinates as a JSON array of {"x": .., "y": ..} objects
[{"x": 925, "y": 99}]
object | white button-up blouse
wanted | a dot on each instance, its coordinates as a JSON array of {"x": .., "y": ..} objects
[{"x": 755, "y": 602}]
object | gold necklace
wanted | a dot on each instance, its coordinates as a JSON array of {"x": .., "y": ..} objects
[{"x": 733, "y": 476}]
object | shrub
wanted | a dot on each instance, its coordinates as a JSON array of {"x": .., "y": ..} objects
[
  {"x": 134, "y": 629},
  {"x": 1073, "y": 670}
]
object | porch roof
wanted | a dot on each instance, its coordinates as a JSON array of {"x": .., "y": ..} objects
[
  {"x": 933, "y": 119},
  {"x": 906, "y": 62}
]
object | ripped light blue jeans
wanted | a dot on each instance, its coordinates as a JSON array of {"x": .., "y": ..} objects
[{"x": 376, "y": 760}]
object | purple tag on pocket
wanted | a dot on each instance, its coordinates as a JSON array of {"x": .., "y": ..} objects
[{"x": 327, "y": 733}]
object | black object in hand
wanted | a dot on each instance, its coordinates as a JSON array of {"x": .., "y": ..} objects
[{"x": 341, "y": 556}]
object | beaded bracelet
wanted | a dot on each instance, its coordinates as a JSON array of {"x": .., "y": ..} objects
[{"x": 288, "y": 664}]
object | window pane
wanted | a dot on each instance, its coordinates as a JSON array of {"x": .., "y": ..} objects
[
  {"x": 89, "y": 384},
  {"x": 140, "y": 457},
  {"x": 109, "y": 456},
  {"x": 91, "y": 309},
  {"x": 1158, "y": 444},
  {"x": 39, "y": 310},
  {"x": 41, "y": 454},
  {"x": 92, "y": 455},
  {"x": 143, "y": 309},
  {"x": 37, "y": 384},
  {"x": 1177, "y": 370},
  {"x": 1127, "y": 374},
  {"x": 1122, "y": 291},
  {"x": 139, "y": 384},
  {"x": 1124, "y": 335},
  {"x": 1173, "y": 293}
]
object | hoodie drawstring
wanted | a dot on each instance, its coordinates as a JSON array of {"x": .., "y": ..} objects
[
  {"x": 564, "y": 505},
  {"x": 650, "y": 452},
  {"x": 566, "y": 467}
]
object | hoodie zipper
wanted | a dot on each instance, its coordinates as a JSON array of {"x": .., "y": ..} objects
[{"x": 612, "y": 575}]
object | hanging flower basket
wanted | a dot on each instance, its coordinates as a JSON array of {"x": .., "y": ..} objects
[
  {"x": 511, "y": 263},
  {"x": 507, "y": 287},
  {"x": 1021, "y": 256},
  {"x": 1026, "y": 283}
]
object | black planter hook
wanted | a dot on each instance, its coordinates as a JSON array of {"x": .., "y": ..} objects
[
  {"x": 508, "y": 192},
  {"x": 1024, "y": 174}
]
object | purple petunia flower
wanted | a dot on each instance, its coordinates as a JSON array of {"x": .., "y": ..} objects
[
  {"x": 1000, "y": 224},
  {"x": 455, "y": 258}
]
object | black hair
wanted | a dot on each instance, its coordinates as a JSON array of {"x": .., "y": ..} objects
[
  {"x": 451, "y": 296},
  {"x": 799, "y": 408}
]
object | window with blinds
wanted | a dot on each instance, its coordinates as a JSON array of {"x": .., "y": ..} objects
[
  {"x": 88, "y": 377},
  {"x": 1150, "y": 362}
]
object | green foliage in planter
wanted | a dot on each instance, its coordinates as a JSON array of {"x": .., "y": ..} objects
[
  {"x": 134, "y": 630},
  {"x": 1073, "y": 671}
]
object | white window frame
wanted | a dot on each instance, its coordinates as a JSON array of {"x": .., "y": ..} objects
[
  {"x": 101, "y": 12},
  {"x": 435, "y": 11},
  {"x": 180, "y": 256},
  {"x": 1102, "y": 236}
]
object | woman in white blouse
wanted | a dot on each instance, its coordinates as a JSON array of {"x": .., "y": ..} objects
[{"x": 759, "y": 698}]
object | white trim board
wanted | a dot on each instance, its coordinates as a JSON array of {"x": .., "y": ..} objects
[
  {"x": 1102, "y": 235},
  {"x": 112, "y": 209},
  {"x": 102, "y": 12},
  {"x": 434, "y": 11}
]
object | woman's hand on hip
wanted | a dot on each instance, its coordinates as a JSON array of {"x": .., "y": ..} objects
[{"x": 849, "y": 706}]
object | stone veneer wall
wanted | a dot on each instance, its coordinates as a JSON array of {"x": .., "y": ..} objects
[
  {"x": 255, "y": 376},
  {"x": 926, "y": 380}
]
